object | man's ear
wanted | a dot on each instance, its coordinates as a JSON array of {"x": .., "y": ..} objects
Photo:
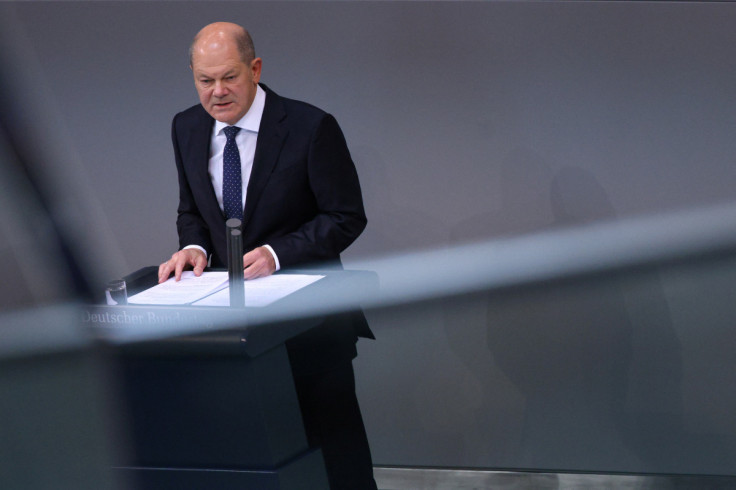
[{"x": 255, "y": 67}]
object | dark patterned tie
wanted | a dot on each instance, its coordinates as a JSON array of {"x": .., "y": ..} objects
[{"x": 232, "y": 182}]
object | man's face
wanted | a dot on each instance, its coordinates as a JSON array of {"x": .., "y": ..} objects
[{"x": 226, "y": 85}]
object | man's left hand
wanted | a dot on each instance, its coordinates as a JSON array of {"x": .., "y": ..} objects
[{"x": 258, "y": 263}]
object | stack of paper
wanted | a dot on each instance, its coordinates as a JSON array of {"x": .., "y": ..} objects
[{"x": 211, "y": 289}]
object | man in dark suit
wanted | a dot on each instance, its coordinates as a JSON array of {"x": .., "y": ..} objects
[{"x": 298, "y": 195}]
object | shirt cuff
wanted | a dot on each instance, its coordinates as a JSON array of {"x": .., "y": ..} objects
[
  {"x": 275, "y": 258},
  {"x": 198, "y": 248}
]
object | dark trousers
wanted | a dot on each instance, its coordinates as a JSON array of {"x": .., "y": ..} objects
[{"x": 333, "y": 422}]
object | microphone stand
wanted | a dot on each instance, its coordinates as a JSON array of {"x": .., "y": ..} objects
[{"x": 235, "y": 263}]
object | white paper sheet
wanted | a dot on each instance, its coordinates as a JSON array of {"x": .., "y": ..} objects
[
  {"x": 263, "y": 291},
  {"x": 190, "y": 288}
]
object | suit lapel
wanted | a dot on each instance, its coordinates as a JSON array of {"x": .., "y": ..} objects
[
  {"x": 200, "y": 139},
  {"x": 271, "y": 136}
]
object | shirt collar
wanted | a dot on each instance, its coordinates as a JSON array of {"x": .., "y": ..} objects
[{"x": 251, "y": 121}]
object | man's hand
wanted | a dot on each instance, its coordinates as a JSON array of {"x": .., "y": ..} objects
[
  {"x": 183, "y": 259},
  {"x": 258, "y": 263}
]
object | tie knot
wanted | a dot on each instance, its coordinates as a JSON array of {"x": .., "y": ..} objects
[{"x": 231, "y": 131}]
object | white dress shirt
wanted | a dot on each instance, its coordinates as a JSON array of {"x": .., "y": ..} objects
[{"x": 246, "y": 140}]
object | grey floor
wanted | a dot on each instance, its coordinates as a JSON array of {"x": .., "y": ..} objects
[{"x": 389, "y": 478}]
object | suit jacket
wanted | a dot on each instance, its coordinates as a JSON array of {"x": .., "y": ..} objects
[{"x": 303, "y": 197}]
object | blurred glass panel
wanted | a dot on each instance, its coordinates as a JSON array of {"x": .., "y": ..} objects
[
  {"x": 556, "y": 352},
  {"x": 57, "y": 426},
  {"x": 57, "y": 430},
  {"x": 36, "y": 271},
  {"x": 622, "y": 371},
  {"x": 57, "y": 244}
]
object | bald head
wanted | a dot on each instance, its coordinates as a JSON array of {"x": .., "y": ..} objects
[
  {"x": 218, "y": 34},
  {"x": 225, "y": 71}
]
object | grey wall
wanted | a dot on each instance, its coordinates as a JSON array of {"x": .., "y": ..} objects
[{"x": 466, "y": 120}]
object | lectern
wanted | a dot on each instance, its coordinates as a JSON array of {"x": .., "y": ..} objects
[{"x": 212, "y": 408}]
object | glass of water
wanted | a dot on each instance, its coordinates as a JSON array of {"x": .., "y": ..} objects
[{"x": 116, "y": 292}]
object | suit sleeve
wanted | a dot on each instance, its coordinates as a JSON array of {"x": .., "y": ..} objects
[
  {"x": 340, "y": 217},
  {"x": 190, "y": 225}
]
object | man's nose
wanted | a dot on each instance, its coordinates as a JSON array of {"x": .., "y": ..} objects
[{"x": 220, "y": 89}]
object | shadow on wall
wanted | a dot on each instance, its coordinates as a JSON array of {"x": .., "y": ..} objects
[
  {"x": 523, "y": 204},
  {"x": 597, "y": 362}
]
